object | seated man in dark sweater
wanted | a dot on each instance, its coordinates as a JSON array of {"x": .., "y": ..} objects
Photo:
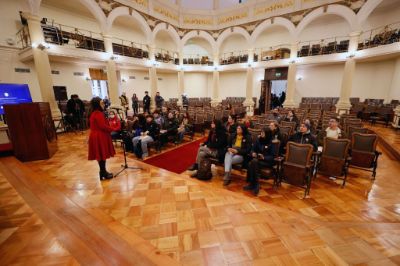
[
  {"x": 149, "y": 134},
  {"x": 304, "y": 136},
  {"x": 169, "y": 128}
]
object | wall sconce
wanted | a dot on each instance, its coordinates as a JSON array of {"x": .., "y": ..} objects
[
  {"x": 87, "y": 79},
  {"x": 351, "y": 55},
  {"x": 40, "y": 46},
  {"x": 215, "y": 68},
  {"x": 123, "y": 80},
  {"x": 293, "y": 61},
  {"x": 299, "y": 77},
  {"x": 113, "y": 57},
  {"x": 249, "y": 65}
]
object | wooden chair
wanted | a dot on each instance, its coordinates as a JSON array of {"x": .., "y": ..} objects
[
  {"x": 334, "y": 160},
  {"x": 363, "y": 152},
  {"x": 296, "y": 167}
]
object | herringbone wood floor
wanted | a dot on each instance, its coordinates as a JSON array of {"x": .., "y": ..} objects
[{"x": 152, "y": 216}]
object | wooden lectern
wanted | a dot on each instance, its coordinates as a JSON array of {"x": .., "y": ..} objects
[{"x": 32, "y": 132}]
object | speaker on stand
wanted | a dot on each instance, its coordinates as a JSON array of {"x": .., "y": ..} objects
[{"x": 60, "y": 93}]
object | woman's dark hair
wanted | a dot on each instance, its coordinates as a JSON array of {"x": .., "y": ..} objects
[
  {"x": 268, "y": 135},
  {"x": 244, "y": 129},
  {"x": 95, "y": 104},
  {"x": 218, "y": 125},
  {"x": 142, "y": 120}
]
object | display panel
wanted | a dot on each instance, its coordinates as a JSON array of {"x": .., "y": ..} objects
[{"x": 14, "y": 94}]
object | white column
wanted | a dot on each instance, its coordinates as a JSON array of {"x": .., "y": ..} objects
[
  {"x": 291, "y": 81},
  {"x": 42, "y": 62},
  {"x": 344, "y": 105},
  {"x": 181, "y": 86},
  {"x": 215, "y": 89},
  {"x": 396, "y": 118},
  {"x": 216, "y": 4},
  {"x": 250, "y": 52},
  {"x": 249, "y": 103},
  {"x": 113, "y": 86},
  {"x": 153, "y": 87}
]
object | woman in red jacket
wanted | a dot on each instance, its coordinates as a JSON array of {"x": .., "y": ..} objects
[
  {"x": 100, "y": 144},
  {"x": 115, "y": 125}
]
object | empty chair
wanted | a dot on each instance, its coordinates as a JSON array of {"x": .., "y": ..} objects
[
  {"x": 297, "y": 167},
  {"x": 363, "y": 152},
  {"x": 334, "y": 159}
]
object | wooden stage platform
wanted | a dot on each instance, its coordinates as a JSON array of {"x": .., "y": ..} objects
[{"x": 58, "y": 212}]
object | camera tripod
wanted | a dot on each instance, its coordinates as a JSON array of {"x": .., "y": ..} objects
[{"x": 125, "y": 165}]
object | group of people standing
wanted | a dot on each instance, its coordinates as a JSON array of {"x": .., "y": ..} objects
[{"x": 159, "y": 100}]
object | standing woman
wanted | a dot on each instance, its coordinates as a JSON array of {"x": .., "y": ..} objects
[
  {"x": 135, "y": 104},
  {"x": 100, "y": 144}
]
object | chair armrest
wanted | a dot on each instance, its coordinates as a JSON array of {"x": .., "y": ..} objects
[
  {"x": 279, "y": 159},
  {"x": 349, "y": 158},
  {"x": 377, "y": 153}
]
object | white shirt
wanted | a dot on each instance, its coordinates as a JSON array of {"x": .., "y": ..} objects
[{"x": 333, "y": 133}]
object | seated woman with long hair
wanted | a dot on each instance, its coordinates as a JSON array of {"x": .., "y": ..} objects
[
  {"x": 238, "y": 149},
  {"x": 184, "y": 125},
  {"x": 213, "y": 147}
]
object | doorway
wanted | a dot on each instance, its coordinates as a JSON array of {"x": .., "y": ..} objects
[{"x": 273, "y": 89}]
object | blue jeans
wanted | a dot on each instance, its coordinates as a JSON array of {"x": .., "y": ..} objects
[
  {"x": 144, "y": 141},
  {"x": 231, "y": 159}
]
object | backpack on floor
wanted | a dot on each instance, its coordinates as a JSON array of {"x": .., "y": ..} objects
[
  {"x": 138, "y": 149},
  {"x": 204, "y": 171}
]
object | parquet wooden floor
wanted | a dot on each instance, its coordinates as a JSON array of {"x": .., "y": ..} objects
[{"x": 154, "y": 217}]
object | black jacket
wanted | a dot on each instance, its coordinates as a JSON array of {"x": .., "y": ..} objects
[
  {"x": 306, "y": 138},
  {"x": 171, "y": 125},
  {"x": 246, "y": 146},
  {"x": 159, "y": 101},
  {"x": 217, "y": 141},
  {"x": 146, "y": 100},
  {"x": 153, "y": 129}
]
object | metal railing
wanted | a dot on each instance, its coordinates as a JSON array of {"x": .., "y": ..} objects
[
  {"x": 23, "y": 38},
  {"x": 197, "y": 59},
  {"x": 338, "y": 44},
  {"x": 56, "y": 33},
  {"x": 166, "y": 56},
  {"x": 130, "y": 49},
  {"x": 272, "y": 52},
  {"x": 380, "y": 36},
  {"x": 234, "y": 57}
]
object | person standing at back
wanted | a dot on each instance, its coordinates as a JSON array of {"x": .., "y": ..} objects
[
  {"x": 135, "y": 104},
  {"x": 124, "y": 103},
  {"x": 159, "y": 100},
  {"x": 146, "y": 102}
]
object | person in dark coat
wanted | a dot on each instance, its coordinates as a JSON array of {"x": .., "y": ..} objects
[
  {"x": 146, "y": 102},
  {"x": 239, "y": 148},
  {"x": 149, "y": 134},
  {"x": 100, "y": 143},
  {"x": 262, "y": 155},
  {"x": 159, "y": 100},
  {"x": 169, "y": 128},
  {"x": 135, "y": 104},
  {"x": 304, "y": 136},
  {"x": 214, "y": 146}
]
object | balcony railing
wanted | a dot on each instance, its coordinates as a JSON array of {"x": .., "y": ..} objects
[
  {"x": 272, "y": 53},
  {"x": 197, "y": 59},
  {"x": 235, "y": 57},
  {"x": 166, "y": 56},
  {"x": 332, "y": 45},
  {"x": 59, "y": 34},
  {"x": 130, "y": 49},
  {"x": 23, "y": 38},
  {"x": 380, "y": 36}
]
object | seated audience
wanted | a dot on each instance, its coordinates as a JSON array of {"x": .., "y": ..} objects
[
  {"x": 164, "y": 112},
  {"x": 149, "y": 134},
  {"x": 115, "y": 125},
  {"x": 169, "y": 128},
  {"x": 213, "y": 147},
  {"x": 230, "y": 125},
  {"x": 275, "y": 115},
  {"x": 158, "y": 118},
  {"x": 262, "y": 155},
  {"x": 304, "y": 136},
  {"x": 311, "y": 124},
  {"x": 184, "y": 126},
  {"x": 247, "y": 121},
  {"x": 291, "y": 117},
  {"x": 238, "y": 149},
  {"x": 333, "y": 130}
]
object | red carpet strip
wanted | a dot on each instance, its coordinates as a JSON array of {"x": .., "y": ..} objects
[{"x": 177, "y": 160}]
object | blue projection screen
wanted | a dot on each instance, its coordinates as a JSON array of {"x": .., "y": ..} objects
[{"x": 14, "y": 94}]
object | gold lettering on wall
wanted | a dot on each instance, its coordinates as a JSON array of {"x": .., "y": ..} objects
[
  {"x": 273, "y": 7},
  {"x": 166, "y": 13},
  {"x": 144, "y": 3},
  {"x": 197, "y": 21},
  {"x": 231, "y": 18}
]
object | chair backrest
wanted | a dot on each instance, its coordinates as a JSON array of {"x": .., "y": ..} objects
[
  {"x": 299, "y": 154},
  {"x": 337, "y": 148},
  {"x": 364, "y": 142},
  {"x": 353, "y": 129},
  {"x": 286, "y": 130}
]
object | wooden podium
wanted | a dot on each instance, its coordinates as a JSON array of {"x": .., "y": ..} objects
[{"x": 32, "y": 132}]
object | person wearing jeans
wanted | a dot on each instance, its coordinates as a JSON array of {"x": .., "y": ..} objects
[
  {"x": 238, "y": 151},
  {"x": 151, "y": 130}
]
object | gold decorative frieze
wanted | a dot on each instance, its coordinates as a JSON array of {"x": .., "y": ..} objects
[
  {"x": 232, "y": 18},
  {"x": 144, "y": 3},
  {"x": 197, "y": 21},
  {"x": 166, "y": 13},
  {"x": 273, "y": 7}
]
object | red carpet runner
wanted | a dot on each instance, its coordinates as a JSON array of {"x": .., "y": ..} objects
[{"x": 177, "y": 160}]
